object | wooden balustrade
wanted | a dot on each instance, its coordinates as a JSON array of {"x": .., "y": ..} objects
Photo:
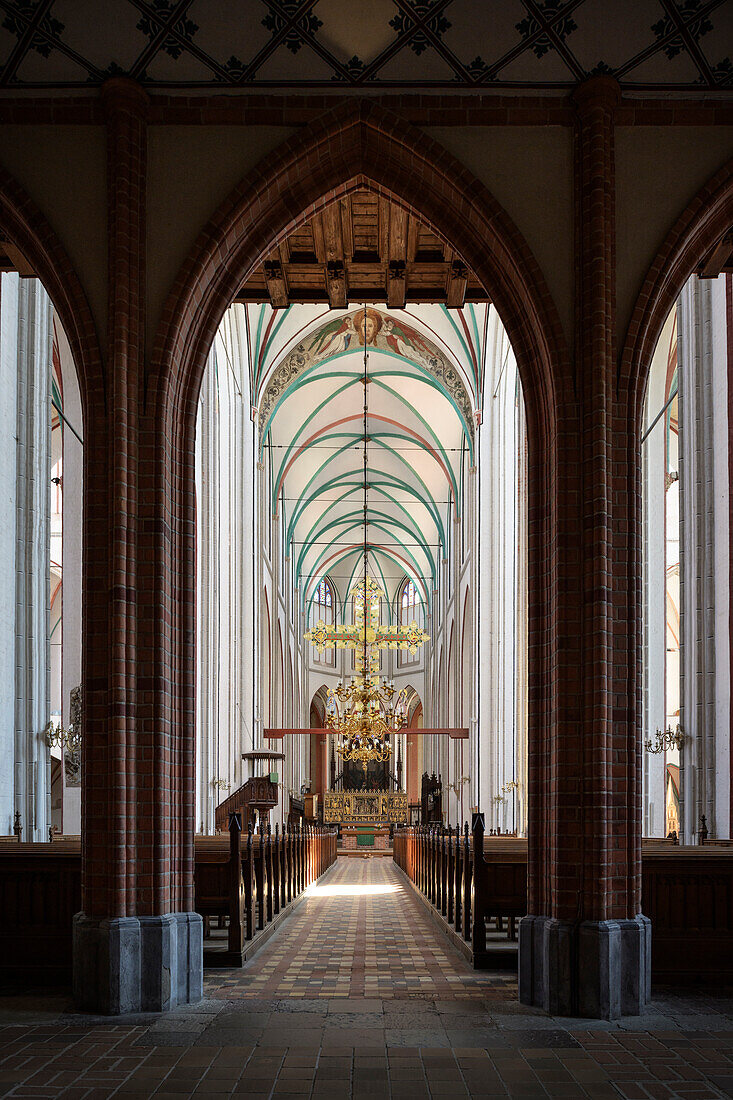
[
  {"x": 470, "y": 882},
  {"x": 250, "y": 885},
  {"x": 239, "y": 879}
]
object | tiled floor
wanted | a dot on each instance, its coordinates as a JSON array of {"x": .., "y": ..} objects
[
  {"x": 361, "y": 932},
  {"x": 359, "y": 995}
]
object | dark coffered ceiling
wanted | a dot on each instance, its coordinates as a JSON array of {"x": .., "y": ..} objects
[
  {"x": 364, "y": 249},
  {"x": 648, "y": 45}
]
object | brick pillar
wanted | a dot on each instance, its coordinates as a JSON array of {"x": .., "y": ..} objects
[
  {"x": 587, "y": 951},
  {"x": 132, "y": 950}
]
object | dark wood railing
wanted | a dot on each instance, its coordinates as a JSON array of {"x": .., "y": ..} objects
[
  {"x": 467, "y": 890},
  {"x": 252, "y": 878},
  {"x": 471, "y": 880}
]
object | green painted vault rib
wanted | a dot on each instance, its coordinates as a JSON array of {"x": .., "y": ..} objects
[
  {"x": 377, "y": 546},
  {"x": 373, "y": 549},
  {"x": 377, "y": 438},
  {"x": 394, "y": 482},
  {"x": 387, "y": 519},
  {"x": 271, "y": 402}
]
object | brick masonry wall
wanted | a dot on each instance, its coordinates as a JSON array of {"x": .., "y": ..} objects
[{"x": 583, "y": 413}]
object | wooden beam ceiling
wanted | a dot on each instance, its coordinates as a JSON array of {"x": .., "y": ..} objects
[
  {"x": 365, "y": 249},
  {"x": 719, "y": 260}
]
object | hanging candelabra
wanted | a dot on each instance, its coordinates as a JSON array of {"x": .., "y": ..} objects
[
  {"x": 57, "y": 737},
  {"x": 667, "y": 739}
]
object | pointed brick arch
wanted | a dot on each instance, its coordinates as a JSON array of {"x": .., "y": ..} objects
[
  {"x": 24, "y": 224},
  {"x": 706, "y": 218},
  {"x": 698, "y": 228},
  {"x": 358, "y": 144}
]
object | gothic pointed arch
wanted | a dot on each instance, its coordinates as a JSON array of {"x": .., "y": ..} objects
[
  {"x": 23, "y": 223},
  {"x": 358, "y": 144},
  {"x": 707, "y": 217}
]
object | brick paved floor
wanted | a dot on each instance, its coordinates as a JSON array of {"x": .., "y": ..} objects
[{"x": 359, "y": 995}]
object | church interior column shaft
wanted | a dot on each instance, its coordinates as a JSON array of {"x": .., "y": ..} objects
[
  {"x": 590, "y": 952},
  {"x": 137, "y": 945},
  {"x": 25, "y": 471}
]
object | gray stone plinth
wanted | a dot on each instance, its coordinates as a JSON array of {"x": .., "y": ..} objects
[
  {"x": 138, "y": 964},
  {"x": 595, "y": 969}
]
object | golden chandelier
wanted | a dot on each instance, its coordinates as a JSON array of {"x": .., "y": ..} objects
[{"x": 370, "y": 718}]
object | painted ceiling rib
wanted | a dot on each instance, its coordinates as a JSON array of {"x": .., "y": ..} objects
[
  {"x": 310, "y": 375},
  {"x": 387, "y": 479},
  {"x": 419, "y": 426},
  {"x": 379, "y": 527}
]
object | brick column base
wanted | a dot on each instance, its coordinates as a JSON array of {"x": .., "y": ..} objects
[
  {"x": 138, "y": 964},
  {"x": 596, "y": 969}
]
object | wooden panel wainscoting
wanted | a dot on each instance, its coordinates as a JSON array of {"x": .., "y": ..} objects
[{"x": 40, "y": 891}]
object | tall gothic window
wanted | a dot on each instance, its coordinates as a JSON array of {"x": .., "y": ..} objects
[
  {"x": 409, "y": 609},
  {"x": 324, "y": 607}
]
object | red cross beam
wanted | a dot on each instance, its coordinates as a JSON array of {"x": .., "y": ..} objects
[{"x": 460, "y": 734}]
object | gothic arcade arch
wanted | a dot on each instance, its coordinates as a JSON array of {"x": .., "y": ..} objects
[
  {"x": 74, "y": 356},
  {"x": 695, "y": 232},
  {"x": 357, "y": 145}
]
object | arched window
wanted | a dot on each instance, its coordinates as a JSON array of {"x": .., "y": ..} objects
[
  {"x": 324, "y": 607},
  {"x": 409, "y": 610}
]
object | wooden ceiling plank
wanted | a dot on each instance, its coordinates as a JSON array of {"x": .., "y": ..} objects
[
  {"x": 319, "y": 243},
  {"x": 413, "y": 236},
  {"x": 364, "y": 247},
  {"x": 276, "y": 285},
  {"x": 335, "y": 269},
  {"x": 718, "y": 258},
  {"x": 383, "y": 229},
  {"x": 397, "y": 267},
  {"x": 455, "y": 295},
  {"x": 347, "y": 227}
]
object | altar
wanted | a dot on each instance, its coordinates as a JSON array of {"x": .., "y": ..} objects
[{"x": 365, "y": 807}]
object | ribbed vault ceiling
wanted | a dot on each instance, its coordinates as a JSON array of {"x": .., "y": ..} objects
[{"x": 424, "y": 379}]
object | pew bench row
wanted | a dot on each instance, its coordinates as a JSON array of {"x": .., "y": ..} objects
[
  {"x": 246, "y": 882},
  {"x": 474, "y": 883}
]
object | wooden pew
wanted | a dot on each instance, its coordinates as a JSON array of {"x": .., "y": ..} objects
[
  {"x": 40, "y": 891},
  {"x": 687, "y": 892}
]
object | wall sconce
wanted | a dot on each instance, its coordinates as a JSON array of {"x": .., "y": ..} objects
[
  {"x": 220, "y": 784},
  {"x": 456, "y": 787},
  {"x": 669, "y": 739},
  {"x": 512, "y": 785},
  {"x": 57, "y": 737}
]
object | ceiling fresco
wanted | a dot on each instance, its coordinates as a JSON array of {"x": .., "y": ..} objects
[{"x": 647, "y": 45}]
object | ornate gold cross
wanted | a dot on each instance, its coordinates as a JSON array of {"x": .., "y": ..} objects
[{"x": 367, "y": 633}]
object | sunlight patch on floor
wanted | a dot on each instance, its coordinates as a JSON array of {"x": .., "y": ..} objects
[{"x": 349, "y": 890}]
